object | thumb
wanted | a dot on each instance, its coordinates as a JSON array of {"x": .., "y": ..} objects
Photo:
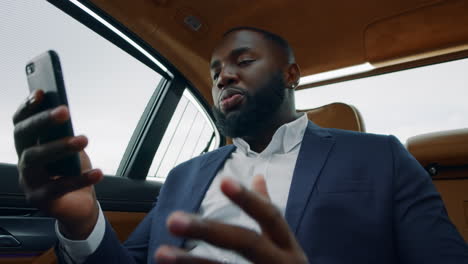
[{"x": 259, "y": 186}]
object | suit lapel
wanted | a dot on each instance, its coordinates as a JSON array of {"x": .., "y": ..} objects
[
  {"x": 201, "y": 183},
  {"x": 198, "y": 184},
  {"x": 195, "y": 187},
  {"x": 315, "y": 147}
]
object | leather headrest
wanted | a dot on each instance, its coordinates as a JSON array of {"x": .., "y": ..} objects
[
  {"x": 445, "y": 148},
  {"x": 337, "y": 115}
]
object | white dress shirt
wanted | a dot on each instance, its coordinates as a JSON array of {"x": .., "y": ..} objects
[{"x": 276, "y": 163}]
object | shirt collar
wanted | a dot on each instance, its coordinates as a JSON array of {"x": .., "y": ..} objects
[{"x": 284, "y": 140}]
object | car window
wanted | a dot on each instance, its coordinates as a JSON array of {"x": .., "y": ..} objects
[
  {"x": 107, "y": 88},
  {"x": 189, "y": 134},
  {"x": 405, "y": 103}
]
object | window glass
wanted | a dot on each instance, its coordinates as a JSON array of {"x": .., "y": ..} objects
[
  {"x": 107, "y": 88},
  {"x": 189, "y": 134},
  {"x": 405, "y": 103}
]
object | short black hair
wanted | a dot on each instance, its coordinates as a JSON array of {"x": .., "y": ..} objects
[{"x": 276, "y": 39}]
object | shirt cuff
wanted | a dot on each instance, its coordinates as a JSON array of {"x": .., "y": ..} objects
[{"x": 79, "y": 250}]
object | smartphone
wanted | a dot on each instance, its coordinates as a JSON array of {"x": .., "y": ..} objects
[{"x": 44, "y": 72}]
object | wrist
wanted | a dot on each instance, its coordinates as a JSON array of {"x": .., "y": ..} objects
[{"x": 79, "y": 229}]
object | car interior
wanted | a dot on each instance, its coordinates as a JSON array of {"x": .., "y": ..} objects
[{"x": 175, "y": 38}]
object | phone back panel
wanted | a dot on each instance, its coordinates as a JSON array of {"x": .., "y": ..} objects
[{"x": 44, "y": 72}]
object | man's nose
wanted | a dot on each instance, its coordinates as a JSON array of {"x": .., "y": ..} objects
[{"x": 226, "y": 78}]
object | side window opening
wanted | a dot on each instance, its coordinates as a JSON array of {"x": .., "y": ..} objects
[
  {"x": 108, "y": 89},
  {"x": 190, "y": 133},
  {"x": 405, "y": 103}
]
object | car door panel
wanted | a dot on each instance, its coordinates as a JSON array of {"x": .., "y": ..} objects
[{"x": 124, "y": 201}]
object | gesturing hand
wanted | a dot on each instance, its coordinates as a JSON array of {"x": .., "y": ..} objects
[{"x": 275, "y": 244}]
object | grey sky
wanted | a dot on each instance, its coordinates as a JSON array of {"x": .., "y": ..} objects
[
  {"x": 107, "y": 89},
  {"x": 405, "y": 103}
]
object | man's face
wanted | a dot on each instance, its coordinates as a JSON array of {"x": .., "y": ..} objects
[{"x": 248, "y": 84}]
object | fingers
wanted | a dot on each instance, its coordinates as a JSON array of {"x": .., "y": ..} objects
[
  {"x": 172, "y": 255},
  {"x": 50, "y": 152},
  {"x": 56, "y": 188},
  {"x": 248, "y": 243},
  {"x": 259, "y": 186},
  {"x": 27, "y": 131},
  {"x": 85, "y": 161},
  {"x": 33, "y": 161},
  {"x": 262, "y": 210},
  {"x": 29, "y": 107}
]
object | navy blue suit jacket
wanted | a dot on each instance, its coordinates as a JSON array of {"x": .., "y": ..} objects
[{"x": 354, "y": 198}]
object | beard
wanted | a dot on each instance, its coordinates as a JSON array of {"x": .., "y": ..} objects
[{"x": 256, "y": 112}]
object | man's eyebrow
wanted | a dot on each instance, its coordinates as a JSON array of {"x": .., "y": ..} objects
[
  {"x": 239, "y": 51},
  {"x": 215, "y": 64},
  {"x": 233, "y": 53}
]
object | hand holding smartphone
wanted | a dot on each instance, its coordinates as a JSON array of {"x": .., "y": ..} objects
[
  {"x": 47, "y": 148},
  {"x": 44, "y": 72}
]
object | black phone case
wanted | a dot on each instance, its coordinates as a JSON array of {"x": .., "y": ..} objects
[{"x": 69, "y": 166}]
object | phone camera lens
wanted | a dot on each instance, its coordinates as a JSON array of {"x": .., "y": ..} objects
[{"x": 30, "y": 69}]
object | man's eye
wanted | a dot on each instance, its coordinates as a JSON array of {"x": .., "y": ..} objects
[
  {"x": 245, "y": 62},
  {"x": 215, "y": 76}
]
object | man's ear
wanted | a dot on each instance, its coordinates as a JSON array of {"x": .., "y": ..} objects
[{"x": 292, "y": 76}]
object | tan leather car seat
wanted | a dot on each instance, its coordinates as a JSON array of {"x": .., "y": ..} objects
[
  {"x": 336, "y": 115},
  {"x": 445, "y": 156}
]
